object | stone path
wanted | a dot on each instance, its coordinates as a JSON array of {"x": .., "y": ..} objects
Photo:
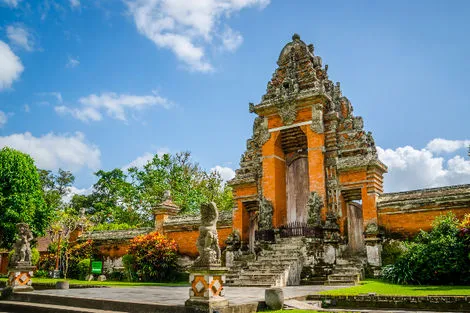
[{"x": 178, "y": 295}]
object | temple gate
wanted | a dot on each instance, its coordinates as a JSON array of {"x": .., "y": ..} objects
[{"x": 307, "y": 141}]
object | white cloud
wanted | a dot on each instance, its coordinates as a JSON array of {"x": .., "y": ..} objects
[
  {"x": 72, "y": 62},
  {"x": 26, "y": 108},
  {"x": 185, "y": 27},
  {"x": 55, "y": 94},
  {"x": 3, "y": 119},
  {"x": 51, "y": 151},
  {"x": 10, "y": 66},
  {"x": 439, "y": 145},
  {"x": 11, "y": 3},
  {"x": 140, "y": 161},
  {"x": 115, "y": 105},
  {"x": 84, "y": 114},
  {"x": 75, "y": 4},
  {"x": 20, "y": 37},
  {"x": 76, "y": 191},
  {"x": 410, "y": 168},
  {"x": 226, "y": 173},
  {"x": 231, "y": 39}
]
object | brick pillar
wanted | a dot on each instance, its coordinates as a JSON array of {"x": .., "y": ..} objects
[
  {"x": 274, "y": 178},
  {"x": 163, "y": 210}
]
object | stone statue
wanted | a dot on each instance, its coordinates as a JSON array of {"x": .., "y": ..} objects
[
  {"x": 22, "y": 247},
  {"x": 265, "y": 220},
  {"x": 314, "y": 205},
  {"x": 208, "y": 242},
  {"x": 233, "y": 241}
]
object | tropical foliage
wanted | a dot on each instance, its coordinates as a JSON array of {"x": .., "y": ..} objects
[
  {"x": 21, "y": 198},
  {"x": 440, "y": 256},
  {"x": 154, "y": 256}
]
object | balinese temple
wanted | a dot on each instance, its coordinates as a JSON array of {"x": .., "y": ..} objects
[{"x": 307, "y": 145}]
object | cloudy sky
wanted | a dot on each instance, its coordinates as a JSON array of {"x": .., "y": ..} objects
[{"x": 86, "y": 85}]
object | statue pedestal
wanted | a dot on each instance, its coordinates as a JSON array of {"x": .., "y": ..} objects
[
  {"x": 20, "y": 277},
  {"x": 207, "y": 288}
]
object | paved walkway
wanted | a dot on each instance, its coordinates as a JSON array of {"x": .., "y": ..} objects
[{"x": 178, "y": 295}]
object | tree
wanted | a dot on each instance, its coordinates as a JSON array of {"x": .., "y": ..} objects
[
  {"x": 55, "y": 187},
  {"x": 21, "y": 197}
]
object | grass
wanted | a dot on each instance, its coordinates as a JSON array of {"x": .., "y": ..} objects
[
  {"x": 383, "y": 288},
  {"x": 52, "y": 281}
]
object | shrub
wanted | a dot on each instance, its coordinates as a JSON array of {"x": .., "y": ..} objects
[
  {"x": 83, "y": 268},
  {"x": 435, "y": 257},
  {"x": 129, "y": 268},
  {"x": 392, "y": 250},
  {"x": 41, "y": 274},
  {"x": 155, "y": 257},
  {"x": 78, "y": 252}
]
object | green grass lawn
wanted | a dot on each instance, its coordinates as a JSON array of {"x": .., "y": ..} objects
[
  {"x": 52, "y": 281},
  {"x": 384, "y": 288}
]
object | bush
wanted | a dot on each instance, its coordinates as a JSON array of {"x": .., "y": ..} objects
[
  {"x": 392, "y": 250},
  {"x": 155, "y": 257},
  {"x": 41, "y": 274},
  {"x": 129, "y": 268},
  {"x": 78, "y": 252},
  {"x": 435, "y": 257},
  {"x": 83, "y": 268}
]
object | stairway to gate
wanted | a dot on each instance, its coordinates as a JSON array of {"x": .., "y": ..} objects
[
  {"x": 278, "y": 265},
  {"x": 347, "y": 271}
]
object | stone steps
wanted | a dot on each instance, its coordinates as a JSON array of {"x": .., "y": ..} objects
[
  {"x": 26, "y": 307},
  {"x": 273, "y": 267}
]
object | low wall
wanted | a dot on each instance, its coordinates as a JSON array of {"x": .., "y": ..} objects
[
  {"x": 427, "y": 303},
  {"x": 404, "y": 214},
  {"x": 185, "y": 231}
]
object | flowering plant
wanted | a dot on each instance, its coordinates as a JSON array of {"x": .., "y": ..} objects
[{"x": 155, "y": 256}]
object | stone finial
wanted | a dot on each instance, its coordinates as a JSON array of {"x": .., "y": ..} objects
[
  {"x": 295, "y": 36},
  {"x": 22, "y": 248},
  {"x": 208, "y": 241}
]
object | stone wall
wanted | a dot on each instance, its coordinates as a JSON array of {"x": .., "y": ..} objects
[
  {"x": 185, "y": 231},
  {"x": 403, "y": 214}
]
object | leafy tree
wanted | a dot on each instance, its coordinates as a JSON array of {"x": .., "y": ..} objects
[
  {"x": 21, "y": 197},
  {"x": 55, "y": 187},
  {"x": 189, "y": 184}
]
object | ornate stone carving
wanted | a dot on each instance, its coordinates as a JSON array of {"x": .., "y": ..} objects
[
  {"x": 331, "y": 220},
  {"x": 233, "y": 241},
  {"x": 22, "y": 248},
  {"x": 287, "y": 112},
  {"x": 260, "y": 131},
  {"x": 265, "y": 214},
  {"x": 372, "y": 228},
  {"x": 208, "y": 241},
  {"x": 314, "y": 206},
  {"x": 317, "y": 119}
]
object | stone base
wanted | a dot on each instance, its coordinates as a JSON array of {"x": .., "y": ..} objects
[
  {"x": 207, "y": 288},
  {"x": 205, "y": 305},
  {"x": 20, "y": 278}
]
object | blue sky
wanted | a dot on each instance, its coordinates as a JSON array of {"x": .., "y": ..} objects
[{"x": 88, "y": 84}]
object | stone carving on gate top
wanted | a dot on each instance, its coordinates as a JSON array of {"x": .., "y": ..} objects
[
  {"x": 22, "y": 248},
  {"x": 208, "y": 241},
  {"x": 314, "y": 206}
]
